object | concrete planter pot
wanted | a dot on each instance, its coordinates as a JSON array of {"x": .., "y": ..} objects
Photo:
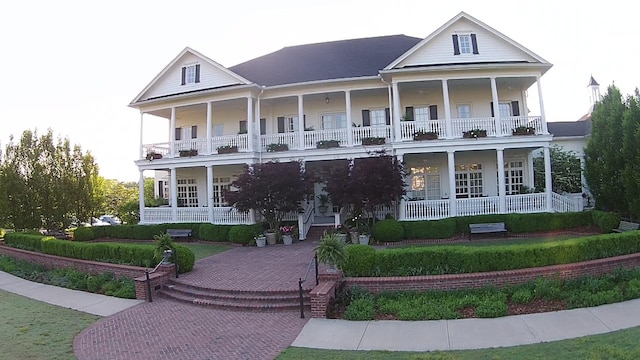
[
  {"x": 363, "y": 239},
  {"x": 261, "y": 241},
  {"x": 271, "y": 238},
  {"x": 287, "y": 239}
]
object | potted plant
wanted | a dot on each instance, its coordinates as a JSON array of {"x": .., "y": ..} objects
[
  {"x": 227, "y": 149},
  {"x": 342, "y": 233},
  {"x": 326, "y": 144},
  {"x": 373, "y": 140},
  {"x": 287, "y": 234},
  {"x": 474, "y": 133},
  {"x": 331, "y": 251},
  {"x": 188, "y": 153},
  {"x": 425, "y": 135},
  {"x": 524, "y": 130},
  {"x": 164, "y": 242},
  {"x": 277, "y": 147},
  {"x": 261, "y": 240},
  {"x": 324, "y": 203},
  {"x": 271, "y": 236},
  {"x": 152, "y": 155}
]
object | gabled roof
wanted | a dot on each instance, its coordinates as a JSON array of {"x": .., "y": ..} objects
[
  {"x": 593, "y": 82},
  {"x": 448, "y": 24},
  {"x": 325, "y": 61},
  {"x": 176, "y": 60}
]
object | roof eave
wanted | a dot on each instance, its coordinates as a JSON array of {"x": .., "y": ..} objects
[
  {"x": 434, "y": 68},
  {"x": 192, "y": 94}
]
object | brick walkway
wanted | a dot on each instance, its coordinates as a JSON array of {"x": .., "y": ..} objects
[{"x": 165, "y": 329}]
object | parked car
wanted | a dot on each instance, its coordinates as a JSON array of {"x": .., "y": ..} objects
[
  {"x": 98, "y": 222},
  {"x": 112, "y": 220}
]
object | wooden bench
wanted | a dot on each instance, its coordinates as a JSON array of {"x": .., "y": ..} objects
[
  {"x": 626, "y": 226},
  {"x": 487, "y": 228},
  {"x": 179, "y": 233}
]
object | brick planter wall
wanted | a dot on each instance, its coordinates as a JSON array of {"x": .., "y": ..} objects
[
  {"x": 493, "y": 278},
  {"x": 322, "y": 294}
]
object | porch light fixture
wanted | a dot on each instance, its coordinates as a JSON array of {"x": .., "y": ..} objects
[{"x": 326, "y": 99}]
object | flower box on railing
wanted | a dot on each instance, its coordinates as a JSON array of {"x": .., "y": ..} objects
[
  {"x": 153, "y": 156},
  {"x": 188, "y": 153},
  {"x": 524, "y": 130},
  {"x": 326, "y": 144},
  {"x": 425, "y": 135},
  {"x": 373, "y": 140},
  {"x": 277, "y": 147},
  {"x": 474, "y": 134},
  {"x": 227, "y": 149}
]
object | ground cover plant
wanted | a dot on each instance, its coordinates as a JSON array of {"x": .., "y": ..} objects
[
  {"x": 537, "y": 296},
  {"x": 70, "y": 278},
  {"x": 37, "y": 331}
]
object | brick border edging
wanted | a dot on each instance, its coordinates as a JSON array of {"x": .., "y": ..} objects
[{"x": 493, "y": 278}]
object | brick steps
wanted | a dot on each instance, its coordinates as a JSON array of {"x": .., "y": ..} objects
[{"x": 271, "y": 301}]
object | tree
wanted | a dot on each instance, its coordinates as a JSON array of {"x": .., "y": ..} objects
[
  {"x": 631, "y": 153},
  {"x": 565, "y": 171},
  {"x": 273, "y": 189}
]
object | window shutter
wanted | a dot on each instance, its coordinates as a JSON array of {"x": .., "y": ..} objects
[
  {"x": 198, "y": 72},
  {"x": 492, "y": 113},
  {"x": 263, "y": 126},
  {"x": 387, "y": 116},
  {"x": 242, "y": 126},
  {"x": 194, "y": 131},
  {"x": 433, "y": 112},
  {"x": 304, "y": 121},
  {"x": 408, "y": 113},
  {"x": 160, "y": 190},
  {"x": 184, "y": 75},
  {"x": 178, "y": 134},
  {"x": 515, "y": 108},
  {"x": 456, "y": 46},
  {"x": 474, "y": 44},
  {"x": 366, "y": 119},
  {"x": 280, "y": 124}
]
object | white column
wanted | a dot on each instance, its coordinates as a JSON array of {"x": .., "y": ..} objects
[
  {"x": 395, "y": 121},
  {"x": 496, "y": 106},
  {"x": 347, "y": 101},
  {"x": 501, "y": 181},
  {"x": 210, "y": 193},
  {"x": 531, "y": 178},
  {"x": 250, "y": 124},
  {"x": 396, "y": 111},
  {"x": 141, "y": 196},
  {"x": 543, "y": 117},
  {"x": 548, "y": 186},
  {"x": 257, "y": 117},
  {"x": 209, "y": 125},
  {"x": 451, "y": 167},
  {"x": 141, "y": 154},
  {"x": 300, "y": 122},
  {"x": 172, "y": 133},
  {"x": 447, "y": 109},
  {"x": 174, "y": 195}
]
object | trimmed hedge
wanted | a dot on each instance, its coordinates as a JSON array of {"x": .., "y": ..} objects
[
  {"x": 431, "y": 260},
  {"x": 203, "y": 231},
  {"x": 118, "y": 253},
  {"x": 211, "y": 232},
  {"x": 243, "y": 234},
  {"x": 388, "y": 230}
]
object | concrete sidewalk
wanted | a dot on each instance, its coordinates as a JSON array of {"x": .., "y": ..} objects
[
  {"x": 78, "y": 300},
  {"x": 468, "y": 333}
]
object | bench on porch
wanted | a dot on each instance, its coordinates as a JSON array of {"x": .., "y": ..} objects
[
  {"x": 626, "y": 226},
  {"x": 179, "y": 233},
  {"x": 487, "y": 228}
]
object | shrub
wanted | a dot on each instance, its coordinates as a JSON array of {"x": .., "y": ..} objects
[
  {"x": 361, "y": 309},
  {"x": 522, "y": 296},
  {"x": 429, "y": 229},
  {"x": 242, "y": 234},
  {"x": 492, "y": 307},
  {"x": 83, "y": 234},
  {"x": 360, "y": 260},
  {"x": 605, "y": 221},
  {"x": 186, "y": 258},
  {"x": 211, "y": 232},
  {"x": 388, "y": 230}
]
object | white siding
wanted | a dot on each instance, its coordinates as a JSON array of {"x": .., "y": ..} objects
[{"x": 439, "y": 50}]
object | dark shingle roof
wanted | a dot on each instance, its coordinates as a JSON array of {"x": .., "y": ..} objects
[
  {"x": 569, "y": 128},
  {"x": 324, "y": 61}
]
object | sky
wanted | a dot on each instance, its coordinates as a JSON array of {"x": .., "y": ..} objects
[{"x": 74, "y": 66}]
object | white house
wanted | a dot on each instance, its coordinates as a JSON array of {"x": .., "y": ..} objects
[{"x": 464, "y": 76}]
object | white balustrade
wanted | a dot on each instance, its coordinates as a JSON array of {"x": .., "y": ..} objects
[
  {"x": 288, "y": 138},
  {"x": 222, "y": 215},
  {"x": 409, "y": 128},
  {"x": 157, "y": 215},
  {"x": 191, "y": 144},
  {"x": 157, "y": 148},
  {"x": 229, "y": 216},
  {"x": 426, "y": 209},
  {"x": 510, "y": 123},
  {"x": 478, "y": 206},
  {"x": 526, "y": 203},
  {"x": 380, "y": 131},
  {"x": 311, "y": 138},
  {"x": 565, "y": 204},
  {"x": 240, "y": 141},
  {"x": 459, "y": 126}
]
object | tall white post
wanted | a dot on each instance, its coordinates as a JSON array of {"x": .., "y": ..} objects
[
  {"x": 257, "y": 117},
  {"x": 210, "y": 193},
  {"x": 140, "y": 153},
  {"x": 397, "y": 111},
  {"x": 301, "y": 122},
  {"x": 250, "y": 124},
  {"x": 174, "y": 194},
  {"x": 141, "y": 197},
  {"x": 395, "y": 122},
  {"x": 347, "y": 100},
  {"x": 451, "y": 167},
  {"x": 209, "y": 125},
  {"x": 172, "y": 133},
  {"x": 447, "y": 109},
  {"x": 531, "y": 177},
  {"x": 543, "y": 117},
  {"x": 496, "y": 106},
  {"x": 548, "y": 186},
  {"x": 502, "y": 186}
]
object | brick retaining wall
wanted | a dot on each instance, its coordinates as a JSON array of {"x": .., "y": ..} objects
[{"x": 493, "y": 278}]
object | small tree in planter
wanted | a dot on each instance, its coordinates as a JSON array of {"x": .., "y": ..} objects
[
  {"x": 331, "y": 251},
  {"x": 273, "y": 189}
]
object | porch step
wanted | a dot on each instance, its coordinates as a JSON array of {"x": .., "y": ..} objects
[
  {"x": 236, "y": 300},
  {"x": 315, "y": 232}
]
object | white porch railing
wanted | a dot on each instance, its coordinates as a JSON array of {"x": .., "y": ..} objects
[
  {"x": 409, "y": 128},
  {"x": 241, "y": 141},
  {"x": 478, "y": 206},
  {"x": 384, "y": 131},
  {"x": 565, "y": 204},
  {"x": 311, "y": 138},
  {"x": 221, "y": 215},
  {"x": 305, "y": 220},
  {"x": 512, "y": 122},
  {"x": 426, "y": 209},
  {"x": 526, "y": 203},
  {"x": 458, "y": 126},
  {"x": 157, "y": 215},
  {"x": 158, "y": 148},
  {"x": 289, "y": 138},
  {"x": 191, "y": 144}
]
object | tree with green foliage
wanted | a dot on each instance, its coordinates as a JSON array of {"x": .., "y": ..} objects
[
  {"x": 631, "y": 153},
  {"x": 273, "y": 189},
  {"x": 565, "y": 171}
]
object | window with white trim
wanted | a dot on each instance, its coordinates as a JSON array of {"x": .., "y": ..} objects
[
  {"x": 465, "y": 44},
  {"x": 291, "y": 123},
  {"x": 220, "y": 186},
  {"x": 187, "y": 193},
  {"x": 334, "y": 121},
  {"x": 378, "y": 117},
  {"x": 514, "y": 176},
  {"x": 469, "y": 182},
  {"x": 425, "y": 183},
  {"x": 464, "y": 111},
  {"x": 421, "y": 114},
  {"x": 505, "y": 109},
  {"x": 190, "y": 74}
]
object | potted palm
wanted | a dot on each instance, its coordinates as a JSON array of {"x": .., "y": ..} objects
[
  {"x": 331, "y": 251},
  {"x": 324, "y": 203}
]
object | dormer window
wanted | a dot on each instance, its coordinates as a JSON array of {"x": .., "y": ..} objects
[
  {"x": 465, "y": 44},
  {"x": 191, "y": 74}
]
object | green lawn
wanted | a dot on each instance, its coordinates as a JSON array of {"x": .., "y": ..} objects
[
  {"x": 35, "y": 330},
  {"x": 619, "y": 345},
  {"x": 202, "y": 250}
]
